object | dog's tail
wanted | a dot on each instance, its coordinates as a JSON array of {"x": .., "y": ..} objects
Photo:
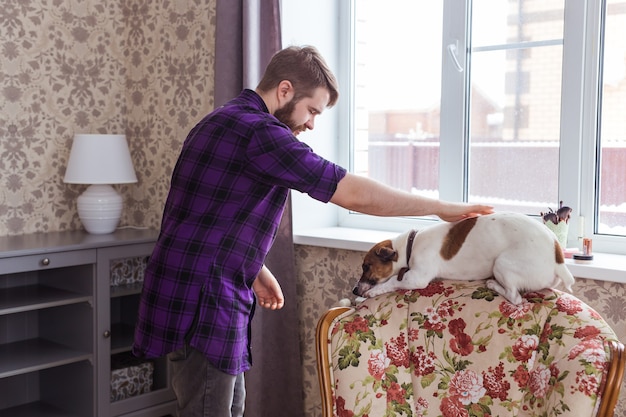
[{"x": 562, "y": 273}]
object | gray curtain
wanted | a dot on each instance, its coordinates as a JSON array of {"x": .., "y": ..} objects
[{"x": 247, "y": 35}]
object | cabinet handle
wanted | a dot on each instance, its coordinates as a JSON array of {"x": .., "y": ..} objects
[
  {"x": 106, "y": 334},
  {"x": 45, "y": 261}
]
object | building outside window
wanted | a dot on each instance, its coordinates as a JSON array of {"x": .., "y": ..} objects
[{"x": 518, "y": 104}]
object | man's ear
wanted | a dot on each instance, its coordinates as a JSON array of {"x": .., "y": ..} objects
[{"x": 285, "y": 92}]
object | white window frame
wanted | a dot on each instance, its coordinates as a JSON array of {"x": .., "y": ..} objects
[{"x": 578, "y": 121}]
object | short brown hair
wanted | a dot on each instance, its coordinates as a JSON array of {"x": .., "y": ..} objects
[{"x": 305, "y": 68}]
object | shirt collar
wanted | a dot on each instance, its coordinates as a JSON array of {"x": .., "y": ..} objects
[{"x": 252, "y": 96}]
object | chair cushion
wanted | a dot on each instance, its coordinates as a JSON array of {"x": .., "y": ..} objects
[{"x": 458, "y": 349}]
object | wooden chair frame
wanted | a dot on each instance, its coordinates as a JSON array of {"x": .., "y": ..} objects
[
  {"x": 612, "y": 380},
  {"x": 323, "y": 360}
]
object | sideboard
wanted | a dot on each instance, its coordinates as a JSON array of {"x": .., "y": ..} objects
[{"x": 68, "y": 303}]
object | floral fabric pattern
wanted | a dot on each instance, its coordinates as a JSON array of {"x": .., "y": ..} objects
[{"x": 459, "y": 349}]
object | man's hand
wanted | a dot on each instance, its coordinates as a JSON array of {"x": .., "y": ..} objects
[
  {"x": 452, "y": 212},
  {"x": 267, "y": 290}
]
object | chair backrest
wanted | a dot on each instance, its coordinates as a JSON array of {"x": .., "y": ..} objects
[{"x": 456, "y": 348}]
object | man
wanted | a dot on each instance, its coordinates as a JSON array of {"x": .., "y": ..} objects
[{"x": 228, "y": 192}]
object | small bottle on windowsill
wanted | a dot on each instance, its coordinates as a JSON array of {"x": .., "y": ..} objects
[{"x": 587, "y": 255}]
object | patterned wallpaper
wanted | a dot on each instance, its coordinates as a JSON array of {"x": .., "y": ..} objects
[
  {"x": 326, "y": 275},
  {"x": 137, "y": 67}
]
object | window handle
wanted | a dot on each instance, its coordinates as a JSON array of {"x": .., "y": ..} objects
[{"x": 452, "y": 50}]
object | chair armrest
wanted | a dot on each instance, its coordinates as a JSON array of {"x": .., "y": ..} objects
[{"x": 613, "y": 379}]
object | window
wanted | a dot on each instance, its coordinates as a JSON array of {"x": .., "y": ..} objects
[
  {"x": 611, "y": 160},
  {"x": 397, "y": 95},
  {"x": 515, "y": 104},
  {"x": 491, "y": 101}
]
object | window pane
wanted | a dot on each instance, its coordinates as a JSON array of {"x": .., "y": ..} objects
[
  {"x": 515, "y": 107},
  {"x": 611, "y": 212},
  {"x": 397, "y": 90}
]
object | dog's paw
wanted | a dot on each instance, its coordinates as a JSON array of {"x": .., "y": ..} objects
[
  {"x": 493, "y": 285},
  {"x": 374, "y": 292},
  {"x": 512, "y": 295},
  {"x": 413, "y": 280}
]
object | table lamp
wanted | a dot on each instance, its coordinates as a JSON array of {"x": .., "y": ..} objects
[{"x": 100, "y": 160}]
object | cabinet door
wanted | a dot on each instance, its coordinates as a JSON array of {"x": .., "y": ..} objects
[{"x": 119, "y": 279}]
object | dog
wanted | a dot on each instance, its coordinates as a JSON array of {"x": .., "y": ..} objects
[{"x": 514, "y": 252}]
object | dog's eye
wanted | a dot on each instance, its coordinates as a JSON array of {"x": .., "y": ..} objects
[{"x": 366, "y": 267}]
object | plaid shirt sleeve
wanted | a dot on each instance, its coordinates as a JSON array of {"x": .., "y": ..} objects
[{"x": 275, "y": 156}]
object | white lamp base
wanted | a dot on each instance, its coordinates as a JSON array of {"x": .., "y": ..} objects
[{"x": 100, "y": 209}]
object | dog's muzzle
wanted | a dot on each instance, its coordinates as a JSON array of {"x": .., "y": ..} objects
[{"x": 362, "y": 287}]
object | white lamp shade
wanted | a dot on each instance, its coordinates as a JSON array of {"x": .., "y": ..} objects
[{"x": 99, "y": 159}]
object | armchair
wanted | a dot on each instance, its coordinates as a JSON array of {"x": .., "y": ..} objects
[{"x": 457, "y": 349}]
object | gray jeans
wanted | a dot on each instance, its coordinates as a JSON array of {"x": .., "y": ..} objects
[{"x": 203, "y": 390}]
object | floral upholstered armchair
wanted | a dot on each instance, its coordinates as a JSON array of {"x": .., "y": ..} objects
[{"x": 457, "y": 349}]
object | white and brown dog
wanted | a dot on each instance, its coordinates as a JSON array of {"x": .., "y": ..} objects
[{"x": 517, "y": 252}]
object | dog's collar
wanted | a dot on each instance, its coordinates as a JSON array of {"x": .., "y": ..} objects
[{"x": 409, "y": 248}]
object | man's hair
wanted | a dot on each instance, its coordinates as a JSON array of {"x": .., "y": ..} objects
[{"x": 305, "y": 68}]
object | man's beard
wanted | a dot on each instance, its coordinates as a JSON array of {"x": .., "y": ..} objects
[{"x": 284, "y": 115}]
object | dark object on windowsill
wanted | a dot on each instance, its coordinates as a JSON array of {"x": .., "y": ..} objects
[
  {"x": 580, "y": 258},
  {"x": 563, "y": 214}
]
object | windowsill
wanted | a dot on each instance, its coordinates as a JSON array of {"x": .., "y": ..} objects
[{"x": 604, "y": 267}]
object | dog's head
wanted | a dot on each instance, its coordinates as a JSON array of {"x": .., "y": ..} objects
[{"x": 378, "y": 267}]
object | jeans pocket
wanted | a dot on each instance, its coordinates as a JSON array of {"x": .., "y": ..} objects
[{"x": 178, "y": 355}]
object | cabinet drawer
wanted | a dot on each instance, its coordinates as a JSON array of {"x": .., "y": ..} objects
[{"x": 46, "y": 261}]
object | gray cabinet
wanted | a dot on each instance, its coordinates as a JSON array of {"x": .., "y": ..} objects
[{"x": 62, "y": 320}]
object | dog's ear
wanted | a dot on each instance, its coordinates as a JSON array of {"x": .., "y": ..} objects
[{"x": 387, "y": 253}]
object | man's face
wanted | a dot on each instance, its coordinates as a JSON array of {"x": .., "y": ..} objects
[{"x": 300, "y": 116}]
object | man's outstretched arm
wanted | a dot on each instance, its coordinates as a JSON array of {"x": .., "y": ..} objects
[{"x": 368, "y": 196}]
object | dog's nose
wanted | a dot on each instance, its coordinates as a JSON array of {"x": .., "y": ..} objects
[{"x": 355, "y": 291}]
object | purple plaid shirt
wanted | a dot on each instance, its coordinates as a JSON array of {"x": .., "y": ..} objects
[{"x": 227, "y": 195}]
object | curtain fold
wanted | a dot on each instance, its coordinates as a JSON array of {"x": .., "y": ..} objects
[{"x": 247, "y": 35}]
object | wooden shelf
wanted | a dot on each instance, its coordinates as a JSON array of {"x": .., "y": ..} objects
[
  {"x": 36, "y": 409},
  {"x": 36, "y": 297},
  {"x": 34, "y": 355},
  {"x": 124, "y": 290}
]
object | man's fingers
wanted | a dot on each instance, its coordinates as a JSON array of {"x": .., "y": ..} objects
[{"x": 272, "y": 304}]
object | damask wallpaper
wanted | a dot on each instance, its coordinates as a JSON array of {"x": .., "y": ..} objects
[
  {"x": 137, "y": 67},
  {"x": 326, "y": 275}
]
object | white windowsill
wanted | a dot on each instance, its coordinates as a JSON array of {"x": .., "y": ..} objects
[{"x": 604, "y": 267}]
